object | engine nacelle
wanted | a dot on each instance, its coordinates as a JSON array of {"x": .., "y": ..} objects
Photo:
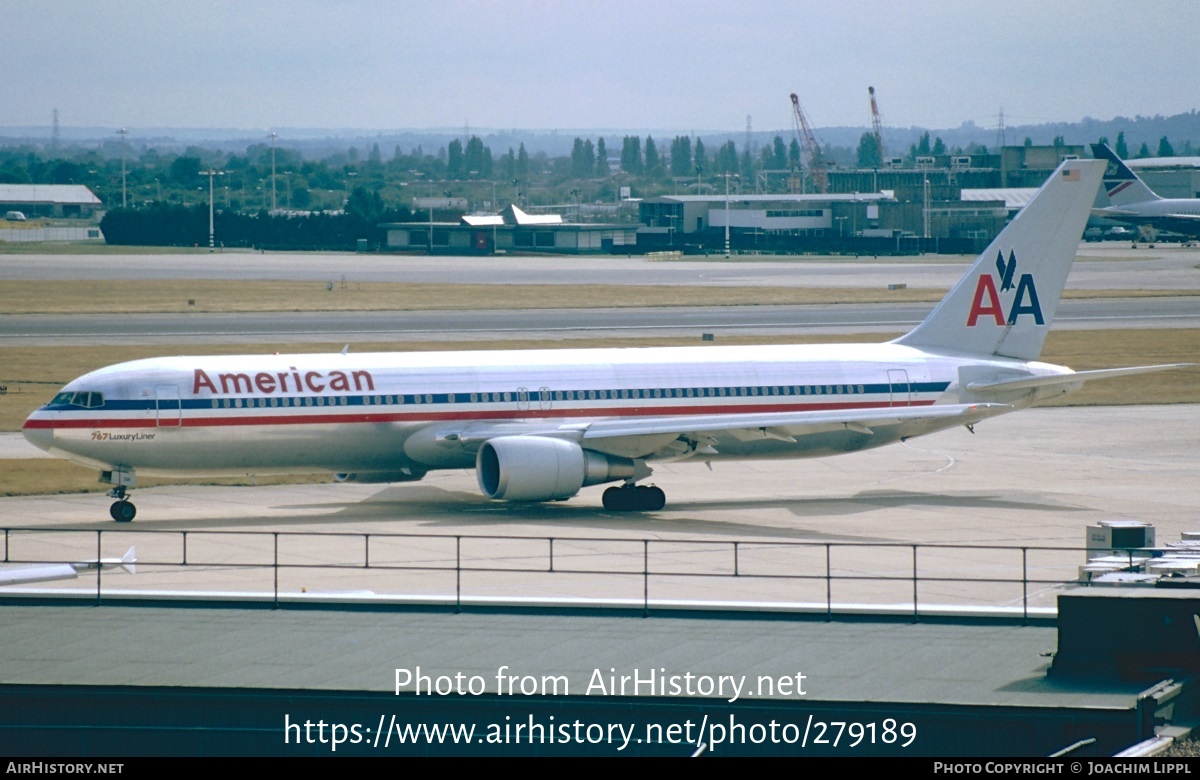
[
  {"x": 536, "y": 468},
  {"x": 375, "y": 477}
]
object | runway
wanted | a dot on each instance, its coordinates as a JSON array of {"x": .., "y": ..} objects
[
  {"x": 1106, "y": 266},
  {"x": 1098, "y": 267},
  {"x": 408, "y": 326}
]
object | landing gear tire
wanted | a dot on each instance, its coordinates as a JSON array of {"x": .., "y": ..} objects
[
  {"x": 122, "y": 511},
  {"x": 634, "y": 498}
]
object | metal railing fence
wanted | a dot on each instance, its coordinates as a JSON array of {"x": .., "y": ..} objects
[{"x": 829, "y": 575}]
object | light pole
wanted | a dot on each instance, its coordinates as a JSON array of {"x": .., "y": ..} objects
[
  {"x": 210, "y": 173},
  {"x": 925, "y": 211},
  {"x": 123, "y": 132},
  {"x": 273, "y": 136},
  {"x": 727, "y": 177}
]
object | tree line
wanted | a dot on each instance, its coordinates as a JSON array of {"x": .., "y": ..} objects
[
  {"x": 171, "y": 224},
  {"x": 256, "y": 190}
]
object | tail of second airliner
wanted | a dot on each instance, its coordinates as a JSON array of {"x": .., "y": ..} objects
[
  {"x": 1005, "y": 303},
  {"x": 1122, "y": 185}
]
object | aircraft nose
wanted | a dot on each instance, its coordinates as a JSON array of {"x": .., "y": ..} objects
[{"x": 40, "y": 436}]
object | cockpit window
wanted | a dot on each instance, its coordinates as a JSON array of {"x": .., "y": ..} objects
[{"x": 86, "y": 399}]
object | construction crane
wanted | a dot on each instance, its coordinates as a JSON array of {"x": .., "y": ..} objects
[
  {"x": 876, "y": 126},
  {"x": 808, "y": 143}
]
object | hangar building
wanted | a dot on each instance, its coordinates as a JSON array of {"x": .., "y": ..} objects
[
  {"x": 49, "y": 200},
  {"x": 1169, "y": 177}
]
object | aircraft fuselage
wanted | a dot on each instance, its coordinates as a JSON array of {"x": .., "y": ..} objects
[{"x": 380, "y": 412}]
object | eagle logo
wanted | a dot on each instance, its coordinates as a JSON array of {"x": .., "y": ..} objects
[{"x": 1006, "y": 270}]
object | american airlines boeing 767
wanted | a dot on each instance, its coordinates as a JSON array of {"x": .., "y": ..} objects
[{"x": 540, "y": 425}]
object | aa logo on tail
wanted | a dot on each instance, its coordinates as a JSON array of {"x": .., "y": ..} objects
[{"x": 987, "y": 298}]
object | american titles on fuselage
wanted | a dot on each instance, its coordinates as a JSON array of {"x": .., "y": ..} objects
[{"x": 271, "y": 383}]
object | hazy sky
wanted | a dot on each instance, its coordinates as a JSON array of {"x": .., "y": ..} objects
[{"x": 591, "y": 64}]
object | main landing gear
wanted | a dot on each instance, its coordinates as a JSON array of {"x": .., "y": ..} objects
[
  {"x": 122, "y": 510},
  {"x": 634, "y": 498}
]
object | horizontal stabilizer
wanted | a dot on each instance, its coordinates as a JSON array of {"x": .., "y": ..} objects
[
  {"x": 1077, "y": 377},
  {"x": 127, "y": 562}
]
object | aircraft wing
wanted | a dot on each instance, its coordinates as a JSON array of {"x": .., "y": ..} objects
[
  {"x": 24, "y": 575},
  {"x": 642, "y": 436},
  {"x": 790, "y": 422},
  {"x": 1186, "y": 224}
]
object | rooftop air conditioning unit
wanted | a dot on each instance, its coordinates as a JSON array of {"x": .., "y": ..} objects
[{"x": 1118, "y": 535}]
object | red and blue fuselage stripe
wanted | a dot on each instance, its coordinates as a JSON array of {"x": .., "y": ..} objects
[{"x": 532, "y": 404}]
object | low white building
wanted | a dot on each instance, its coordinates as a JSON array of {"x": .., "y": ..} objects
[
  {"x": 685, "y": 214},
  {"x": 511, "y": 230}
]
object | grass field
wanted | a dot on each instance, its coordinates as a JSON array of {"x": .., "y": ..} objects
[{"x": 49, "y": 476}]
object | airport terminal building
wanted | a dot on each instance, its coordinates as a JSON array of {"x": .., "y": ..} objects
[
  {"x": 948, "y": 203},
  {"x": 889, "y": 222}
]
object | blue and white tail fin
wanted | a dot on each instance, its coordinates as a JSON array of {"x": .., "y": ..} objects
[
  {"x": 1122, "y": 185},
  {"x": 1005, "y": 303}
]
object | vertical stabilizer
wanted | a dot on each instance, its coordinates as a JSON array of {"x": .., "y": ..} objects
[
  {"x": 1122, "y": 185},
  {"x": 1005, "y": 303}
]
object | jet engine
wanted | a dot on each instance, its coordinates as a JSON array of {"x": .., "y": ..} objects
[{"x": 536, "y": 468}]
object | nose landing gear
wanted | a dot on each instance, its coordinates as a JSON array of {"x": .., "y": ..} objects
[
  {"x": 122, "y": 510},
  {"x": 122, "y": 479}
]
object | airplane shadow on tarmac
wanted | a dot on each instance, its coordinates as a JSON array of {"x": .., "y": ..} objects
[{"x": 431, "y": 509}]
